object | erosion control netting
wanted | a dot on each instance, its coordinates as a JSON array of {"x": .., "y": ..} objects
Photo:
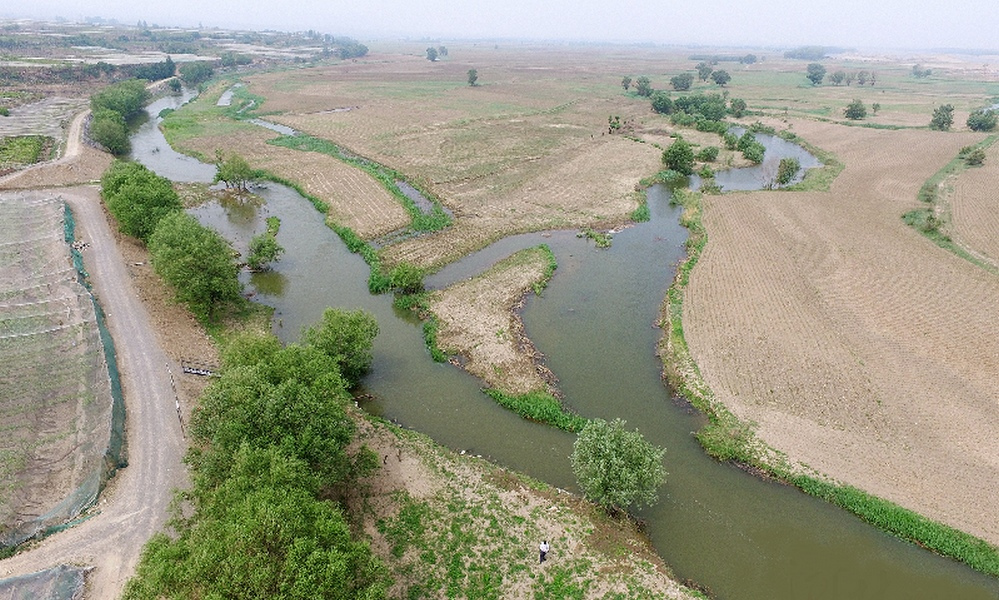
[
  {"x": 60, "y": 423},
  {"x": 59, "y": 583}
]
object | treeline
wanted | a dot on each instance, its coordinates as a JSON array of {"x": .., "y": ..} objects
[
  {"x": 270, "y": 470},
  {"x": 195, "y": 260},
  {"x": 112, "y": 107}
]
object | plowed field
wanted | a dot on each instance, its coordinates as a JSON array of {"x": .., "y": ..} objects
[
  {"x": 975, "y": 208},
  {"x": 858, "y": 346}
]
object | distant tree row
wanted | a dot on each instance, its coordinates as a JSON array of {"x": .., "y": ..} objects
[
  {"x": 434, "y": 53},
  {"x": 815, "y": 73},
  {"x": 680, "y": 83}
]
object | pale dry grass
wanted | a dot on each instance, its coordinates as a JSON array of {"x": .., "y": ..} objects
[
  {"x": 478, "y": 321},
  {"x": 860, "y": 348}
]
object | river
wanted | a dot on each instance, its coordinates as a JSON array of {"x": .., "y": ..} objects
[{"x": 737, "y": 535}]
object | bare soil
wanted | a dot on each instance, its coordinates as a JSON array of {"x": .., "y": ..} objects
[
  {"x": 479, "y": 321},
  {"x": 974, "y": 207},
  {"x": 859, "y": 347}
]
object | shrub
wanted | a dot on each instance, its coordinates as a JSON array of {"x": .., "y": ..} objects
[{"x": 708, "y": 154}]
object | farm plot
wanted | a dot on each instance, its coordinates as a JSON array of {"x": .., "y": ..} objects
[
  {"x": 49, "y": 117},
  {"x": 859, "y": 347},
  {"x": 527, "y": 150},
  {"x": 55, "y": 400},
  {"x": 974, "y": 206}
]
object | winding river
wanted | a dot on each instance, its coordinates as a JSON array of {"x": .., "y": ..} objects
[{"x": 739, "y": 536}]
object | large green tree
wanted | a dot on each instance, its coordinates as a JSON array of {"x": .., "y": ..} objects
[
  {"x": 198, "y": 263},
  {"x": 943, "y": 117},
  {"x": 704, "y": 70},
  {"x": 682, "y": 82},
  {"x": 347, "y": 337},
  {"x": 234, "y": 171},
  {"x": 983, "y": 120},
  {"x": 137, "y": 198},
  {"x": 815, "y": 73},
  {"x": 643, "y": 85},
  {"x": 721, "y": 77},
  {"x": 108, "y": 128},
  {"x": 194, "y": 73},
  {"x": 125, "y": 98},
  {"x": 617, "y": 468},
  {"x": 679, "y": 157},
  {"x": 855, "y": 110}
]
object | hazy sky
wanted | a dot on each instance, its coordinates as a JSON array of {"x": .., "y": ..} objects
[{"x": 856, "y": 23}]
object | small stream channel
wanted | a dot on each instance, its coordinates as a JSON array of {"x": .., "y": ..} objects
[{"x": 739, "y": 536}]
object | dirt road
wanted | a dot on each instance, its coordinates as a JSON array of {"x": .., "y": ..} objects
[{"x": 134, "y": 506}]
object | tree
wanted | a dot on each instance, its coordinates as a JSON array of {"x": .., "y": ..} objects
[
  {"x": 786, "y": 170},
  {"x": 108, "y": 129},
  {"x": 198, "y": 263},
  {"x": 737, "y": 107},
  {"x": 704, "y": 70},
  {"x": 975, "y": 158},
  {"x": 137, "y": 198},
  {"x": 982, "y": 120},
  {"x": 920, "y": 73},
  {"x": 721, "y": 77},
  {"x": 708, "y": 154},
  {"x": 661, "y": 102},
  {"x": 473, "y": 76},
  {"x": 875, "y": 107},
  {"x": 432, "y": 54},
  {"x": 837, "y": 77},
  {"x": 347, "y": 337},
  {"x": 748, "y": 59},
  {"x": 125, "y": 98},
  {"x": 943, "y": 117},
  {"x": 855, "y": 110},
  {"x": 194, "y": 73},
  {"x": 862, "y": 77},
  {"x": 264, "y": 249},
  {"x": 643, "y": 86},
  {"x": 682, "y": 82},
  {"x": 679, "y": 157},
  {"x": 442, "y": 50},
  {"x": 617, "y": 468},
  {"x": 815, "y": 73},
  {"x": 626, "y": 83},
  {"x": 234, "y": 171}
]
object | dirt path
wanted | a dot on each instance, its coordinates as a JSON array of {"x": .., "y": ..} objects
[{"x": 134, "y": 506}]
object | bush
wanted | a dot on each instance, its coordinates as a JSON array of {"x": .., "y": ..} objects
[
  {"x": 679, "y": 157},
  {"x": 975, "y": 158},
  {"x": 787, "y": 169},
  {"x": 708, "y": 154},
  {"x": 617, "y": 468},
  {"x": 347, "y": 337},
  {"x": 108, "y": 129},
  {"x": 137, "y": 198},
  {"x": 983, "y": 120}
]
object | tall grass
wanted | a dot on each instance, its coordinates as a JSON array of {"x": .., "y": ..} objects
[{"x": 541, "y": 407}]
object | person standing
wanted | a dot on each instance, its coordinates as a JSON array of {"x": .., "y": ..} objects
[{"x": 543, "y": 548}]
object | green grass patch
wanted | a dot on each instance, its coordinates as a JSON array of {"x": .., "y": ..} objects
[
  {"x": 23, "y": 150},
  {"x": 541, "y": 407},
  {"x": 821, "y": 178},
  {"x": 434, "y": 220}
]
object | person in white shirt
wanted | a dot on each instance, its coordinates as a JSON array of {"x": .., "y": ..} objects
[{"x": 544, "y": 547}]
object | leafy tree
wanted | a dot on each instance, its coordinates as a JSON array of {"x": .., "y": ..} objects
[
  {"x": 473, "y": 76},
  {"x": 737, "y": 107},
  {"x": 731, "y": 141},
  {"x": 982, "y": 120},
  {"x": 407, "y": 278},
  {"x": 108, "y": 128},
  {"x": 234, "y": 171},
  {"x": 679, "y": 157},
  {"x": 786, "y": 170},
  {"x": 617, "y": 468},
  {"x": 194, "y": 73},
  {"x": 682, "y": 82},
  {"x": 347, "y": 337},
  {"x": 709, "y": 106},
  {"x": 875, "y": 107},
  {"x": 837, "y": 77},
  {"x": 862, "y": 77},
  {"x": 174, "y": 85},
  {"x": 661, "y": 102},
  {"x": 704, "y": 70},
  {"x": 721, "y": 77},
  {"x": 855, "y": 110},
  {"x": 643, "y": 86},
  {"x": 442, "y": 50},
  {"x": 748, "y": 59},
  {"x": 626, "y": 83},
  {"x": 755, "y": 153},
  {"x": 198, "y": 263},
  {"x": 815, "y": 73},
  {"x": 125, "y": 98},
  {"x": 849, "y": 78},
  {"x": 943, "y": 117},
  {"x": 137, "y": 198},
  {"x": 920, "y": 73},
  {"x": 432, "y": 54}
]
